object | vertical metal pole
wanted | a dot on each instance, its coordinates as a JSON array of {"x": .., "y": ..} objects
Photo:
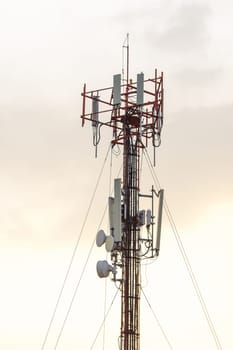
[
  {"x": 130, "y": 296},
  {"x": 84, "y": 100},
  {"x": 127, "y": 47}
]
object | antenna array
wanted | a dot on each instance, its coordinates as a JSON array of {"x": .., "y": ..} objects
[{"x": 134, "y": 111}]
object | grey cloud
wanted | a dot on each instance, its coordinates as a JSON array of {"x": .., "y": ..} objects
[
  {"x": 195, "y": 76},
  {"x": 174, "y": 29},
  {"x": 185, "y": 29},
  {"x": 133, "y": 16}
]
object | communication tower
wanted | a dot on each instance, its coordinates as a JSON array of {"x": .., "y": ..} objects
[{"x": 134, "y": 111}]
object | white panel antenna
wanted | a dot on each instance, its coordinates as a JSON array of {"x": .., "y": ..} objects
[
  {"x": 95, "y": 111},
  {"x": 148, "y": 218},
  {"x": 140, "y": 89},
  {"x": 114, "y": 208},
  {"x": 117, "y": 89},
  {"x": 142, "y": 215},
  {"x": 117, "y": 210},
  {"x": 111, "y": 213},
  {"x": 95, "y": 121},
  {"x": 159, "y": 221}
]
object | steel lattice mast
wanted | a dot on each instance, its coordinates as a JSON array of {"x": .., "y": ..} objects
[
  {"x": 130, "y": 247},
  {"x": 136, "y": 116}
]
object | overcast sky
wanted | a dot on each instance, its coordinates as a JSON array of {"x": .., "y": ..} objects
[{"x": 48, "y": 50}]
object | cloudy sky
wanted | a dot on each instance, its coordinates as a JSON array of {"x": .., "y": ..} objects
[{"x": 48, "y": 170}]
